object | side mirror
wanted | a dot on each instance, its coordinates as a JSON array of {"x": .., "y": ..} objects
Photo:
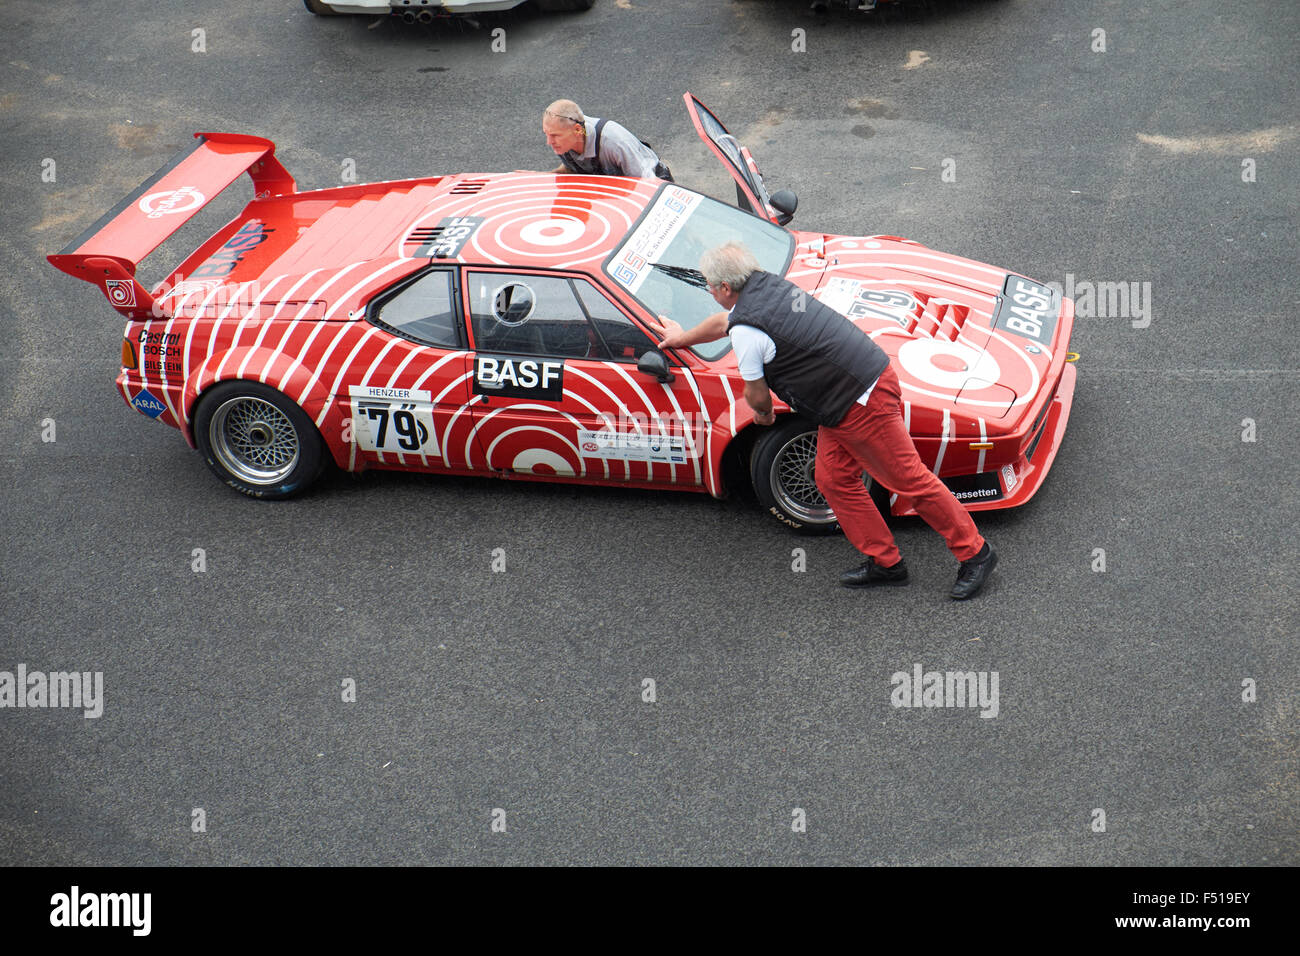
[
  {"x": 656, "y": 366},
  {"x": 785, "y": 203}
]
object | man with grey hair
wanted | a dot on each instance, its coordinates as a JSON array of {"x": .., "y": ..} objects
[
  {"x": 830, "y": 372},
  {"x": 586, "y": 144}
]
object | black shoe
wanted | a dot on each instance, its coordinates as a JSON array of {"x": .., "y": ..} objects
[
  {"x": 973, "y": 573},
  {"x": 869, "y": 575}
]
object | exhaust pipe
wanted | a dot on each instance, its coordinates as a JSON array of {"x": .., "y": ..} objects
[
  {"x": 426, "y": 16},
  {"x": 408, "y": 16}
]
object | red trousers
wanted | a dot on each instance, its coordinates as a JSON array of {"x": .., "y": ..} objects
[{"x": 872, "y": 438}]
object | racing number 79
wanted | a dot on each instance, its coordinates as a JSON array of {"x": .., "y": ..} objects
[{"x": 411, "y": 434}]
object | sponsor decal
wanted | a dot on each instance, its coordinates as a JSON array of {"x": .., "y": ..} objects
[
  {"x": 448, "y": 237},
  {"x": 1028, "y": 309},
  {"x": 147, "y": 403},
  {"x": 222, "y": 262},
  {"x": 632, "y": 263},
  {"x": 171, "y": 201},
  {"x": 519, "y": 377},
  {"x": 161, "y": 351},
  {"x": 629, "y": 446},
  {"x": 1009, "y": 477},
  {"x": 979, "y": 487},
  {"x": 121, "y": 292},
  {"x": 396, "y": 421}
]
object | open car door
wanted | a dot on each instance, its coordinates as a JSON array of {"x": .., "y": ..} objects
[{"x": 751, "y": 194}]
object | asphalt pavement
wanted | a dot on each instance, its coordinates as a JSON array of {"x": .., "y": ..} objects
[{"x": 1142, "y": 622}]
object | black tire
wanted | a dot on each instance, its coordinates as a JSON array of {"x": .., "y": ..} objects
[
  {"x": 781, "y": 467},
  {"x": 318, "y": 8},
  {"x": 257, "y": 441},
  {"x": 560, "y": 6}
]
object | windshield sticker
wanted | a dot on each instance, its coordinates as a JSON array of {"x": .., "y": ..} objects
[{"x": 656, "y": 231}]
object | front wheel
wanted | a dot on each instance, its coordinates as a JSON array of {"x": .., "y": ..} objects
[
  {"x": 257, "y": 441},
  {"x": 782, "y": 467}
]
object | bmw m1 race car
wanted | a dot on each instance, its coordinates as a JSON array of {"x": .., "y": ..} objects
[{"x": 503, "y": 324}]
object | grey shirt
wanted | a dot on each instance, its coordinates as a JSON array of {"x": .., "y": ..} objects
[{"x": 621, "y": 153}]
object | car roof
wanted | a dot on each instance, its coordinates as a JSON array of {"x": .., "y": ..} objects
[{"x": 516, "y": 219}]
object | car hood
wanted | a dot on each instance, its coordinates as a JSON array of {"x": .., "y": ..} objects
[{"x": 967, "y": 339}]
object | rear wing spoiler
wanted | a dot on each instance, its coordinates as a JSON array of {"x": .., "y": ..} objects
[{"x": 107, "y": 254}]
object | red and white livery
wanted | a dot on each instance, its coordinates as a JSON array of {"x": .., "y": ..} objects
[{"x": 502, "y": 324}]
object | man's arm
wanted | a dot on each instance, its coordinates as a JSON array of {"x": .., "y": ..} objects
[
  {"x": 675, "y": 337},
  {"x": 759, "y": 399}
]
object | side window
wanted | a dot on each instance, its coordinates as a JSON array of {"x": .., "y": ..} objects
[
  {"x": 530, "y": 315},
  {"x": 625, "y": 342},
  {"x": 423, "y": 311}
]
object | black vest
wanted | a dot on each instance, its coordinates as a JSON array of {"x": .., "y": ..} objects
[
  {"x": 596, "y": 166},
  {"x": 823, "y": 361}
]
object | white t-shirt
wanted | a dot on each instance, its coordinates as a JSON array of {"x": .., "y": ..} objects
[{"x": 754, "y": 348}]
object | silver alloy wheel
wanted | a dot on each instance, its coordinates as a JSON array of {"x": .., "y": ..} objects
[
  {"x": 254, "y": 440},
  {"x": 793, "y": 482}
]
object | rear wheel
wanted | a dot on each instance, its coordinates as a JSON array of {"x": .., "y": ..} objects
[
  {"x": 257, "y": 441},
  {"x": 318, "y": 8},
  {"x": 782, "y": 467}
]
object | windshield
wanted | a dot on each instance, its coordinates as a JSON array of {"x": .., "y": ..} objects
[{"x": 657, "y": 262}]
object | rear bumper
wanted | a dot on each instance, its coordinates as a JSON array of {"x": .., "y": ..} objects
[
  {"x": 152, "y": 400},
  {"x": 1017, "y": 483}
]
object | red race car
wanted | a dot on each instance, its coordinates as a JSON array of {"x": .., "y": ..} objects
[{"x": 501, "y": 324}]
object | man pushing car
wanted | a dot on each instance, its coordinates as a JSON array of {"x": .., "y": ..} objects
[
  {"x": 830, "y": 372},
  {"x": 587, "y": 144}
]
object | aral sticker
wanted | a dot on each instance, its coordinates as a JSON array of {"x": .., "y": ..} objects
[
  {"x": 393, "y": 420},
  {"x": 149, "y": 404},
  {"x": 629, "y": 446}
]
